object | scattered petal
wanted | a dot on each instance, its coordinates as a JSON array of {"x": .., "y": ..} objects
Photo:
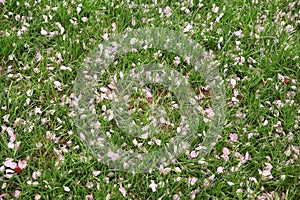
[
  {"x": 67, "y": 189},
  {"x": 153, "y": 186}
]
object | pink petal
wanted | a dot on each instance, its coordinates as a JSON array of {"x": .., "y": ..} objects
[
  {"x": 219, "y": 170},
  {"x": 122, "y": 190},
  {"x": 96, "y": 173},
  {"x": 194, "y": 154},
  {"x": 89, "y": 197},
  {"x": 268, "y": 166},
  {"x": 9, "y": 173},
  {"x": 234, "y": 137},
  {"x": 209, "y": 111},
  {"x": 113, "y": 155},
  {"x": 11, "y": 145},
  {"x": 295, "y": 149},
  {"x": 176, "y": 197},
  {"x": 148, "y": 94},
  {"x": 165, "y": 170},
  {"x": 233, "y": 82},
  {"x": 36, "y": 174},
  {"x": 226, "y": 151},
  {"x": 153, "y": 186},
  {"x": 193, "y": 180},
  {"x": 17, "y": 194},
  {"x": 22, "y": 163},
  {"x": 266, "y": 172},
  {"x": 206, "y": 120},
  {"x": 9, "y": 163}
]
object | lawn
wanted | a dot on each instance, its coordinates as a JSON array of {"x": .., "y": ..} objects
[{"x": 46, "y": 139}]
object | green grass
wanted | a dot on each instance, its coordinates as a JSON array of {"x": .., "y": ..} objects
[{"x": 265, "y": 66}]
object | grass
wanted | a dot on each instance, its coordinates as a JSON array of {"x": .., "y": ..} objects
[{"x": 256, "y": 46}]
